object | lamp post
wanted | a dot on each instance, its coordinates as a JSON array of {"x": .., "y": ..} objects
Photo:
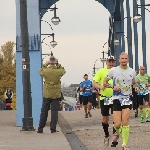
[
  {"x": 94, "y": 69},
  {"x": 53, "y": 43},
  {"x": 116, "y": 40},
  {"x": 103, "y": 59},
  {"x": 27, "y": 100},
  {"x": 45, "y": 56},
  {"x": 136, "y": 45},
  {"x": 137, "y": 18},
  {"x": 55, "y": 20}
]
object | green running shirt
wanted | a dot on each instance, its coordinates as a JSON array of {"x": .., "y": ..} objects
[{"x": 99, "y": 78}]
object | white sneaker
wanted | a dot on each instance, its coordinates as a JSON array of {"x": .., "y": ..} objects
[{"x": 106, "y": 141}]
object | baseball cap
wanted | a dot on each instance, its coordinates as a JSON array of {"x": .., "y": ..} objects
[{"x": 111, "y": 58}]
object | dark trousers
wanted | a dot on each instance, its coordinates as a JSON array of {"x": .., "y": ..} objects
[{"x": 44, "y": 113}]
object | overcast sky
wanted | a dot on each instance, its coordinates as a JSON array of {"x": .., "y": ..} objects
[{"x": 80, "y": 35}]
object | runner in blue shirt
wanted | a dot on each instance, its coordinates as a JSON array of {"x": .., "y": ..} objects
[{"x": 86, "y": 88}]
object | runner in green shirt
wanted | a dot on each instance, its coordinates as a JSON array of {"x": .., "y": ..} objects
[
  {"x": 143, "y": 81},
  {"x": 108, "y": 92}
]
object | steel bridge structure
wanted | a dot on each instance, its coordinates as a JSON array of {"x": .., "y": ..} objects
[{"x": 37, "y": 9}]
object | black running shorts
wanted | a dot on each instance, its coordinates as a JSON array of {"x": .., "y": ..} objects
[
  {"x": 117, "y": 106},
  {"x": 105, "y": 108},
  {"x": 141, "y": 97},
  {"x": 87, "y": 99}
]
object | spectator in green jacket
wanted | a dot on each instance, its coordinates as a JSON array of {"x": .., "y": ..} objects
[{"x": 52, "y": 72}]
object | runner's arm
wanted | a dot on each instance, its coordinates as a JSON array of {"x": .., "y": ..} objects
[
  {"x": 148, "y": 81},
  {"x": 97, "y": 79},
  {"x": 81, "y": 87},
  {"x": 107, "y": 78},
  {"x": 135, "y": 82},
  {"x": 96, "y": 85}
]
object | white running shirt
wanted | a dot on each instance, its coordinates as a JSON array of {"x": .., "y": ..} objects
[{"x": 122, "y": 78}]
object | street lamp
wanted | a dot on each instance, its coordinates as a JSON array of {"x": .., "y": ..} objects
[
  {"x": 94, "y": 69},
  {"x": 125, "y": 18},
  {"x": 55, "y": 20},
  {"x": 137, "y": 18},
  {"x": 116, "y": 41},
  {"x": 27, "y": 121},
  {"x": 103, "y": 60},
  {"x": 53, "y": 43},
  {"x": 45, "y": 56},
  {"x": 51, "y": 54},
  {"x": 109, "y": 50}
]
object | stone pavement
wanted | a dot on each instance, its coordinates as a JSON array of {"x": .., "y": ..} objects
[
  {"x": 11, "y": 138},
  {"x": 90, "y": 132}
]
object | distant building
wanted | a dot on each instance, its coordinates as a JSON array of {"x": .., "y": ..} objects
[
  {"x": 70, "y": 91},
  {"x": 74, "y": 85}
]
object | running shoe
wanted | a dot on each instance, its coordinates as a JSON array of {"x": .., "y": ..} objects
[
  {"x": 106, "y": 141},
  {"x": 147, "y": 120},
  {"x": 125, "y": 148},
  {"x": 86, "y": 115},
  {"x": 142, "y": 120},
  {"x": 90, "y": 115},
  {"x": 115, "y": 139}
]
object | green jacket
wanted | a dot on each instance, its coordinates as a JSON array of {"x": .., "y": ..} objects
[{"x": 52, "y": 85}]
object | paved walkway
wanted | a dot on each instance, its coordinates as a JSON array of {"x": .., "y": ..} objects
[
  {"x": 87, "y": 133},
  {"x": 11, "y": 138},
  {"x": 90, "y": 132}
]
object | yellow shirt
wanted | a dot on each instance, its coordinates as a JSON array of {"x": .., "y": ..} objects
[{"x": 99, "y": 78}]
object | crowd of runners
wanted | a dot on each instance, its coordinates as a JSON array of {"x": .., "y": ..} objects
[{"x": 121, "y": 88}]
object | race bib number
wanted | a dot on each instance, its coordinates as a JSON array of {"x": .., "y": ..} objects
[
  {"x": 87, "y": 90},
  {"x": 125, "y": 101},
  {"x": 108, "y": 101}
]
